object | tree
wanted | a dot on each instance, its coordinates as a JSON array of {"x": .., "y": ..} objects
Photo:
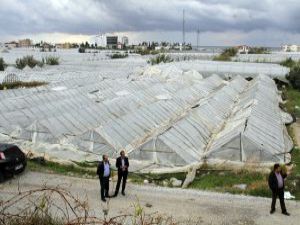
[
  {"x": 226, "y": 54},
  {"x": 2, "y": 64},
  {"x": 289, "y": 62}
]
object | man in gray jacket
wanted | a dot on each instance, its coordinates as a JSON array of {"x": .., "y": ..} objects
[{"x": 103, "y": 171}]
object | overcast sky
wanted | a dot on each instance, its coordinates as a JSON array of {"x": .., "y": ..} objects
[{"x": 221, "y": 22}]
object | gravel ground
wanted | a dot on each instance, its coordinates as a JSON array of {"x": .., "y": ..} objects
[{"x": 199, "y": 206}]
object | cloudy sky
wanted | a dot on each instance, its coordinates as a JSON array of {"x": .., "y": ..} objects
[{"x": 221, "y": 22}]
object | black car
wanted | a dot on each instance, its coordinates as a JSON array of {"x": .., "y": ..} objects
[{"x": 12, "y": 160}]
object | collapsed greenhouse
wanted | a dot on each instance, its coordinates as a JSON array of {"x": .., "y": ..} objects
[
  {"x": 160, "y": 123},
  {"x": 224, "y": 69}
]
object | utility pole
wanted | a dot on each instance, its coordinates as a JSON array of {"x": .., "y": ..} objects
[{"x": 183, "y": 29}]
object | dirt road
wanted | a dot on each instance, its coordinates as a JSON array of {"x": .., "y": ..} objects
[{"x": 206, "y": 207}]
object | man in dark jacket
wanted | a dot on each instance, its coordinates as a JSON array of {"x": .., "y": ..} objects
[
  {"x": 122, "y": 164},
  {"x": 276, "y": 184},
  {"x": 103, "y": 171}
]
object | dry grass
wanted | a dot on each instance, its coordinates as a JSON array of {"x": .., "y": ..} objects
[
  {"x": 57, "y": 206},
  {"x": 21, "y": 84},
  {"x": 28, "y": 61}
]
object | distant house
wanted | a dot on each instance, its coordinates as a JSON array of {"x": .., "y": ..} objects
[
  {"x": 177, "y": 47},
  {"x": 46, "y": 47},
  {"x": 11, "y": 44},
  {"x": 120, "y": 45},
  {"x": 243, "y": 49},
  {"x": 290, "y": 48},
  {"x": 160, "y": 47},
  {"x": 25, "y": 43},
  {"x": 59, "y": 45},
  {"x": 66, "y": 45}
]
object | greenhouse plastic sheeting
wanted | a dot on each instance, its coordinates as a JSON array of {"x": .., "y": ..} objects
[
  {"x": 225, "y": 69},
  {"x": 255, "y": 131},
  {"x": 186, "y": 140},
  {"x": 274, "y": 57},
  {"x": 240, "y": 122},
  {"x": 171, "y": 122}
]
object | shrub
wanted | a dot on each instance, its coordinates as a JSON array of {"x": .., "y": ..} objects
[
  {"x": 289, "y": 62},
  {"x": 51, "y": 60},
  {"x": 2, "y": 64},
  {"x": 230, "y": 51},
  {"x": 28, "y": 60},
  {"x": 162, "y": 58},
  {"x": 294, "y": 76},
  {"x": 118, "y": 56},
  {"x": 226, "y": 55},
  {"x": 146, "y": 51},
  {"x": 81, "y": 50},
  {"x": 258, "y": 50},
  {"x": 222, "y": 58}
]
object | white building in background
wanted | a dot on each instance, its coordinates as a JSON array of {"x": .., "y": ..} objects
[
  {"x": 101, "y": 40},
  {"x": 290, "y": 48},
  {"x": 11, "y": 44},
  {"x": 111, "y": 41},
  {"x": 25, "y": 43},
  {"x": 243, "y": 49},
  {"x": 160, "y": 47},
  {"x": 125, "y": 40}
]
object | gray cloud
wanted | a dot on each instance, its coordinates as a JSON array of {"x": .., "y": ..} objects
[{"x": 19, "y": 17}]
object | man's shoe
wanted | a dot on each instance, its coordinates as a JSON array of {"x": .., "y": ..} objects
[
  {"x": 286, "y": 213},
  {"x": 272, "y": 211},
  {"x": 123, "y": 193},
  {"x": 103, "y": 199},
  {"x": 115, "y": 195}
]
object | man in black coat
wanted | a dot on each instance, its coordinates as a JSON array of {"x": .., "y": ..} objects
[
  {"x": 103, "y": 171},
  {"x": 276, "y": 184},
  {"x": 122, "y": 164}
]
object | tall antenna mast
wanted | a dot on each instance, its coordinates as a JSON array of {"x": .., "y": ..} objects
[
  {"x": 183, "y": 28},
  {"x": 198, "y": 32}
]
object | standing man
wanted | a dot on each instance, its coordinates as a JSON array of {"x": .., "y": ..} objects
[
  {"x": 122, "y": 164},
  {"x": 103, "y": 172},
  {"x": 276, "y": 184}
]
